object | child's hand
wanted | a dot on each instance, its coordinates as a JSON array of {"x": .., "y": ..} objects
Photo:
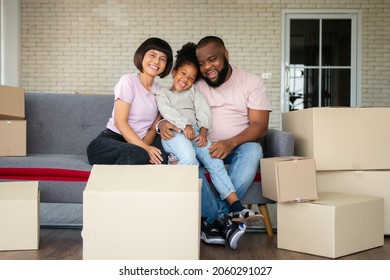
[
  {"x": 189, "y": 132},
  {"x": 201, "y": 140}
]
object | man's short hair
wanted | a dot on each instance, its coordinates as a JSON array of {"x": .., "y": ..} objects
[{"x": 210, "y": 39}]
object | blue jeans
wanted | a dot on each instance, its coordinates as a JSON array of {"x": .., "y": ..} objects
[
  {"x": 188, "y": 153},
  {"x": 244, "y": 163}
]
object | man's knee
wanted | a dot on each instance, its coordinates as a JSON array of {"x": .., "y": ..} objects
[{"x": 252, "y": 151}]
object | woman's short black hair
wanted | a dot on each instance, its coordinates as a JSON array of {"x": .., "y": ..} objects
[
  {"x": 187, "y": 55},
  {"x": 158, "y": 45}
]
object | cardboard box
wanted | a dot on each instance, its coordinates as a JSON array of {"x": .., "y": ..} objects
[
  {"x": 142, "y": 212},
  {"x": 12, "y": 122},
  {"x": 335, "y": 225},
  {"x": 13, "y": 137},
  {"x": 289, "y": 178},
  {"x": 11, "y": 103},
  {"x": 341, "y": 138},
  {"x": 19, "y": 216},
  {"x": 367, "y": 182}
]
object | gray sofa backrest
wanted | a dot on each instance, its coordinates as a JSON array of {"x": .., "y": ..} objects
[{"x": 65, "y": 123}]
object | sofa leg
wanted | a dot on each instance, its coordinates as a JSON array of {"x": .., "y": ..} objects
[{"x": 267, "y": 221}]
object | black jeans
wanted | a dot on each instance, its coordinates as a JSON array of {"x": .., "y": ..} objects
[{"x": 111, "y": 148}]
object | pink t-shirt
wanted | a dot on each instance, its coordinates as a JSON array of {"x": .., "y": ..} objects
[
  {"x": 229, "y": 103},
  {"x": 143, "y": 110}
]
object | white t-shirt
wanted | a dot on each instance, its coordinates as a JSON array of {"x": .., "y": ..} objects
[
  {"x": 229, "y": 102},
  {"x": 143, "y": 110}
]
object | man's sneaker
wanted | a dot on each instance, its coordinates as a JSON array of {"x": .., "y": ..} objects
[
  {"x": 210, "y": 235},
  {"x": 231, "y": 231},
  {"x": 245, "y": 216}
]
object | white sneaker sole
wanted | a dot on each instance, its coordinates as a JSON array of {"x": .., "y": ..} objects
[
  {"x": 234, "y": 241},
  {"x": 212, "y": 241}
]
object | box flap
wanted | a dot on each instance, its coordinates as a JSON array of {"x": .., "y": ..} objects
[
  {"x": 143, "y": 178},
  {"x": 337, "y": 199},
  {"x": 26, "y": 190},
  {"x": 11, "y": 103},
  {"x": 286, "y": 158}
]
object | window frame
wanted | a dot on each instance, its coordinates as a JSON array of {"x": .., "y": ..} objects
[{"x": 355, "y": 16}]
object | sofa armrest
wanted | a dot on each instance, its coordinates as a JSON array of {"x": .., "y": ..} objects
[{"x": 278, "y": 143}]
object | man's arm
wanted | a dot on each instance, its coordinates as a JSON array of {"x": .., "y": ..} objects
[{"x": 258, "y": 126}]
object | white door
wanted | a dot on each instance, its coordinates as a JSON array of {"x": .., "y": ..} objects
[{"x": 320, "y": 59}]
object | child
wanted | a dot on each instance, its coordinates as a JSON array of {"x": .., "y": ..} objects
[
  {"x": 129, "y": 135},
  {"x": 186, "y": 108}
]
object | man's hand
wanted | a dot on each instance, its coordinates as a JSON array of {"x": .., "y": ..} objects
[
  {"x": 221, "y": 149},
  {"x": 165, "y": 127}
]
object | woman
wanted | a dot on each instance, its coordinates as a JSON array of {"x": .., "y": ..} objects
[{"x": 130, "y": 132}]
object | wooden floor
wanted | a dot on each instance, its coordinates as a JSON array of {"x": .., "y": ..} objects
[{"x": 66, "y": 244}]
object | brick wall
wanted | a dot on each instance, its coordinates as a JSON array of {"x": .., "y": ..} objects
[{"x": 86, "y": 45}]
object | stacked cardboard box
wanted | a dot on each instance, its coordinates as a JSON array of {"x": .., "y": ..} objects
[
  {"x": 326, "y": 224},
  {"x": 12, "y": 122},
  {"x": 350, "y": 146},
  {"x": 344, "y": 219},
  {"x": 142, "y": 212},
  {"x": 335, "y": 225},
  {"x": 286, "y": 179},
  {"x": 368, "y": 182}
]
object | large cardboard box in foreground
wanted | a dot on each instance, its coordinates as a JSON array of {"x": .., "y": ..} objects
[
  {"x": 335, "y": 225},
  {"x": 19, "y": 216},
  {"x": 289, "y": 178},
  {"x": 368, "y": 182},
  {"x": 142, "y": 212},
  {"x": 12, "y": 121},
  {"x": 341, "y": 138}
]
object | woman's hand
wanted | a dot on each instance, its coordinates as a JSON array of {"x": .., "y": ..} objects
[{"x": 154, "y": 155}]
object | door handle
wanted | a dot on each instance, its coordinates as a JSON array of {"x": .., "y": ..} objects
[{"x": 288, "y": 78}]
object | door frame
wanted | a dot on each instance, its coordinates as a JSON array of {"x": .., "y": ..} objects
[{"x": 354, "y": 15}]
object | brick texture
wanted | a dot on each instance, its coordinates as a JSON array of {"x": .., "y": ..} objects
[{"x": 73, "y": 46}]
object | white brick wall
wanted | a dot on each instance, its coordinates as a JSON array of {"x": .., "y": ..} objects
[{"x": 86, "y": 45}]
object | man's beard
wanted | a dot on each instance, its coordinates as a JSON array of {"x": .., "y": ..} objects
[{"x": 221, "y": 75}]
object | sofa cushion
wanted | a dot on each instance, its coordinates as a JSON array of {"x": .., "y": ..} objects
[
  {"x": 60, "y": 161},
  {"x": 65, "y": 123}
]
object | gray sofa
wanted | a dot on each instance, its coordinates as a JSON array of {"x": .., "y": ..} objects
[{"x": 59, "y": 128}]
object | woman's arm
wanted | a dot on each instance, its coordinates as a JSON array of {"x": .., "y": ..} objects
[
  {"x": 152, "y": 134},
  {"x": 121, "y": 114}
]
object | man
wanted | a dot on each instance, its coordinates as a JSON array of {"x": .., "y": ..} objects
[{"x": 240, "y": 109}]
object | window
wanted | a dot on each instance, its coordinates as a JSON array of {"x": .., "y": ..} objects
[{"x": 320, "y": 60}]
